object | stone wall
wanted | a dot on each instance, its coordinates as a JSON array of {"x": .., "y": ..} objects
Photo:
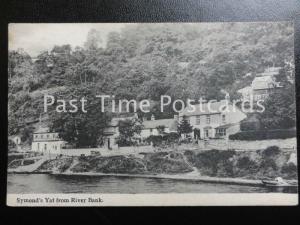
[
  {"x": 224, "y": 144},
  {"x": 107, "y": 152},
  {"x": 289, "y": 144}
]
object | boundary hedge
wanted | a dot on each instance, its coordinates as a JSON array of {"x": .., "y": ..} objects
[{"x": 263, "y": 135}]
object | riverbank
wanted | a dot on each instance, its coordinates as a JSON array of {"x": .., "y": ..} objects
[
  {"x": 189, "y": 177},
  {"x": 215, "y": 166}
]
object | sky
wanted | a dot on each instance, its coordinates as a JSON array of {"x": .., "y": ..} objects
[{"x": 38, "y": 37}]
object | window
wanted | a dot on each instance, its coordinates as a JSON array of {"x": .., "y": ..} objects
[
  {"x": 222, "y": 132},
  {"x": 42, "y": 136},
  {"x": 223, "y": 119},
  {"x": 207, "y": 119},
  {"x": 47, "y": 135},
  {"x": 197, "y": 120},
  {"x": 45, "y": 146},
  {"x": 38, "y": 145},
  {"x": 36, "y": 136}
]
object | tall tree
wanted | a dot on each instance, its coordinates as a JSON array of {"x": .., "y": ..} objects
[
  {"x": 280, "y": 109},
  {"x": 93, "y": 40},
  {"x": 185, "y": 127},
  {"x": 84, "y": 127},
  {"x": 128, "y": 129}
]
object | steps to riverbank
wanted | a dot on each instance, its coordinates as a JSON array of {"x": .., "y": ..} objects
[{"x": 29, "y": 168}]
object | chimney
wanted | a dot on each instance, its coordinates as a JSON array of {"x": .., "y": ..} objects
[
  {"x": 152, "y": 117},
  {"x": 227, "y": 97}
]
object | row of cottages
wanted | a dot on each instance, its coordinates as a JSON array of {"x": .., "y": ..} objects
[
  {"x": 47, "y": 142},
  {"x": 262, "y": 85},
  {"x": 149, "y": 127},
  {"x": 208, "y": 122},
  {"x": 217, "y": 120}
]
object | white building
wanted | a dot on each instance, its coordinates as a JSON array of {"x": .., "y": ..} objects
[
  {"x": 155, "y": 127},
  {"x": 218, "y": 120},
  {"x": 261, "y": 85},
  {"x": 47, "y": 142},
  {"x": 149, "y": 127}
]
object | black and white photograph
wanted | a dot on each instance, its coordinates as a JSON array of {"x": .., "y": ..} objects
[{"x": 176, "y": 113}]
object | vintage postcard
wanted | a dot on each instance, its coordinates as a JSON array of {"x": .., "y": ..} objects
[{"x": 151, "y": 114}]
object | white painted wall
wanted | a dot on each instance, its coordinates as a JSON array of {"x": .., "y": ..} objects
[{"x": 47, "y": 147}]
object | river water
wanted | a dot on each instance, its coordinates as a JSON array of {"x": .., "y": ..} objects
[{"x": 46, "y": 183}]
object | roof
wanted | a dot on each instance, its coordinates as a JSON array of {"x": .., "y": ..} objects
[
  {"x": 245, "y": 89},
  {"x": 271, "y": 71},
  {"x": 115, "y": 121},
  {"x": 42, "y": 130},
  {"x": 264, "y": 82},
  {"x": 215, "y": 107},
  {"x": 151, "y": 124}
]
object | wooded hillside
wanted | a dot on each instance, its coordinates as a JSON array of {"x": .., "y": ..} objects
[{"x": 145, "y": 61}]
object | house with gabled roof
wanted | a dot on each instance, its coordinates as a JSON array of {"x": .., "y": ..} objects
[
  {"x": 213, "y": 120},
  {"x": 155, "y": 127},
  {"x": 262, "y": 85}
]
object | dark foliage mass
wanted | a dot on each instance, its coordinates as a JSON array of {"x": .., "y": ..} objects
[
  {"x": 263, "y": 134},
  {"x": 145, "y": 61}
]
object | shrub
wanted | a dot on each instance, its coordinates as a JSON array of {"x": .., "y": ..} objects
[
  {"x": 213, "y": 159},
  {"x": 289, "y": 168},
  {"x": 263, "y": 134},
  {"x": 245, "y": 163},
  {"x": 271, "y": 151},
  {"x": 268, "y": 163},
  {"x": 250, "y": 125},
  {"x": 185, "y": 141},
  {"x": 156, "y": 140}
]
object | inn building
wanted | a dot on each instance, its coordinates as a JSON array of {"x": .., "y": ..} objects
[{"x": 214, "y": 121}]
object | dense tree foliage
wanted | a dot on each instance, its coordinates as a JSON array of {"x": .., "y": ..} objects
[
  {"x": 145, "y": 61},
  {"x": 184, "y": 127},
  {"x": 280, "y": 109},
  {"x": 128, "y": 130}
]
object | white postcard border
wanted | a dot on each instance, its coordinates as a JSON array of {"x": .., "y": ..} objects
[{"x": 208, "y": 199}]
